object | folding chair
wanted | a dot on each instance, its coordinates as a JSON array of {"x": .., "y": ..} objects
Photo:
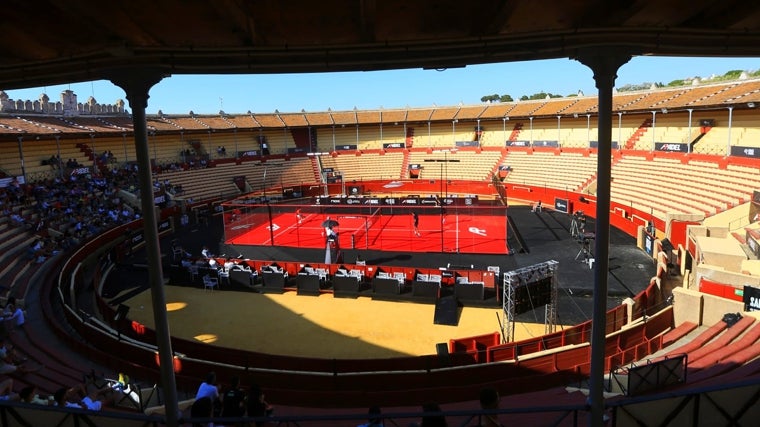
[
  {"x": 357, "y": 274},
  {"x": 224, "y": 276},
  {"x": 193, "y": 269},
  {"x": 209, "y": 283}
]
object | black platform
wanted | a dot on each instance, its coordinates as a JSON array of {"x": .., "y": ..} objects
[
  {"x": 426, "y": 291},
  {"x": 240, "y": 278},
  {"x": 308, "y": 284},
  {"x": 381, "y": 286},
  {"x": 273, "y": 282},
  {"x": 446, "y": 311},
  {"x": 345, "y": 287},
  {"x": 469, "y": 291}
]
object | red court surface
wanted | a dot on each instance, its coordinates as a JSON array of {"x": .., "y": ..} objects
[{"x": 455, "y": 233}]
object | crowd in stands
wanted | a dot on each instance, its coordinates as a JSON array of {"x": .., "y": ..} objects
[
  {"x": 64, "y": 211},
  {"x": 212, "y": 401}
]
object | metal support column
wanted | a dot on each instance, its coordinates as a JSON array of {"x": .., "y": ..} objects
[
  {"x": 137, "y": 84},
  {"x": 604, "y": 63}
]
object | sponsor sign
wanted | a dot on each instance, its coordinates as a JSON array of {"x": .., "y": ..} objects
[
  {"x": 673, "y": 147},
  {"x": 561, "y": 205},
  {"x": 159, "y": 200},
  {"x": 595, "y": 144},
  {"x": 81, "y": 171},
  {"x": 648, "y": 244},
  {"x": 751, "y": 298},
  {"x": 296, "y": 150},
  {"x": 394, "y": 145},
  {"x": 345, "y": 147},
  {"x": 745, "y": 151},
  {"x": 518, "y": 143},
  {"x": 467, "y": 143},
  {"x": 164, "y": 226},
  {"x": 248, "y": 153},
  {"x": 546, "y": 143}
]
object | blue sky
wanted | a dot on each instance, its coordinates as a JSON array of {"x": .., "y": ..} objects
[{"x": 208, "y": 94}]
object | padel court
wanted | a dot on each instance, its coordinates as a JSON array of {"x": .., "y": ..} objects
[{"x": 384, "y": 224}]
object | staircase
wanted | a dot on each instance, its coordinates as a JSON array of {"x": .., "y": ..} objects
[
  {"x": 316, "y": 168},
  {"x": 638, "y": 134},
  {"x": 515, "y": 132},
  {"x": 495, "y": 168},
  {"x": 405, "y": 165},
  {"x": 98, "y": 166},
  {"x": 409, "y": 138}
]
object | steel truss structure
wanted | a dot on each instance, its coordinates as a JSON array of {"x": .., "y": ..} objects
[{"x": 522, "y": 277}]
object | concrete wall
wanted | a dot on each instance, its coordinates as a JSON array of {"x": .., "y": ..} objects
[{"x": 702, "y": 309}]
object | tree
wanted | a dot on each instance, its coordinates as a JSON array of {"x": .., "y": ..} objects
[
  {"x": 733, "y": 74},
  {"x": 506, "y": 98},
  {"x": 490, "y": 98}
]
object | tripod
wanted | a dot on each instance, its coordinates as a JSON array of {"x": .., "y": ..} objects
[
  {"x": 585, "y": 250},
  {"x": 574, "y": 229}
]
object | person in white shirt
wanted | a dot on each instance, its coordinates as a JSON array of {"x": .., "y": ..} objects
[
  {"x": 78, "y": 397},
  {"x": 206, "y": 253}
]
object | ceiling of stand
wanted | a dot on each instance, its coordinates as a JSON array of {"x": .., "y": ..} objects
[{"x": 54, "y": 42}]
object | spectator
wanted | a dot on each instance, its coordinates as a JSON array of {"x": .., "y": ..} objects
[
  {"x": 210, "y": 389},
  {"x": 432, "y": 420},
  {"x": 257, "y": 406},
  {"x": 6, "y": 390},
  {"x": 202, "y": 408},
  {"x": 489, "y": 400},
  {"x": 29, "y": 395},
  {"x": 13, "y": 314},
  {"x": 233, "y": 400},
  {"x": 374, "y": 418},
  {"x": 10, "y": 362},
  {"x": 206, "y": 252},
  {"x": 17, "y": 220},
  {"x": 78, "y": 397}
]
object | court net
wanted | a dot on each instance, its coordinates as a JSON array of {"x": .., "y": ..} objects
[{"x": 360, "y": 237}]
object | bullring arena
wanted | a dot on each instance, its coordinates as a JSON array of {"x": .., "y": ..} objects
[
  {"x": 344, "y": 260},
  {"x": 204, "y": 206}
]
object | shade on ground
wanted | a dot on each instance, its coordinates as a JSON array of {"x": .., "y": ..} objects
[{"x": 323, "y": 327}]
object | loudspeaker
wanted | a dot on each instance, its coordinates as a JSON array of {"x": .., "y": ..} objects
[{"x": 667, "y": 246}]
